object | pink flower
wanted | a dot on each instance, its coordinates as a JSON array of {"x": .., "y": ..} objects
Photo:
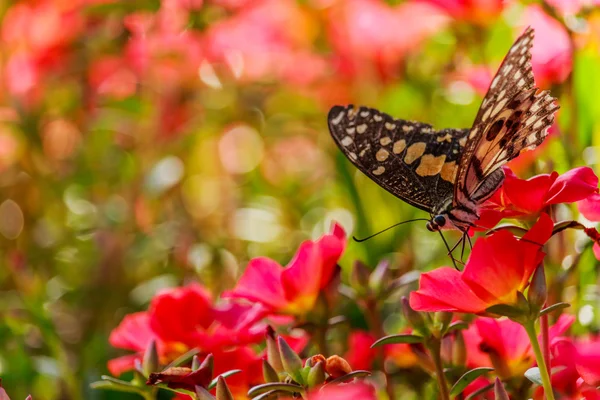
[
  {"x": 590, "y": 207},
  {"x": 552, "y": 52},
  {"x": 491, "y": 276},
  {"x": 504, "y": 344},
  {"x": 295, "y": 288},
  {"x": 577, "y": 369},
  {"x": 265, "y": 40},
  {"x": 365, "y": 38}
]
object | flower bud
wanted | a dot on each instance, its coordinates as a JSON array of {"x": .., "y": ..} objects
[
  {"x": 499, "y": 391},
  {"x": 292, "y": 363},
  {"x": 380, "y": 277},
  {"x": 414, "y": 318},
  {"x": 195, "y": 363},
  {"x": 538, "y": 292},
  {"x": 316, "y": 375},
  {"x": 269, "y": 374},
  {"x": 312, "y": 361},
  {"x": 203, "y": 394},
  {"x": 359, "y": 276},
  {"x": 422, "y": 357},
  {"x": 223, "y": 392},
  {"x": 273, "y": 355},
  {"x": 150, "y": 363},
  {"x": 443, "y": 319},
  {"x": 336, "y": 366},
  {"x": 459, "y": 349},
  {"x": 209, "y": 362}
]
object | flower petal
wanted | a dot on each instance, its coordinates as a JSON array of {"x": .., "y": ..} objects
[
  {"x": 493, "y": 273},
  {"x": 261, "y": 282},
  {"x": 574, "y": 185},
  {"x": 590, "y": 207},
  {"x": 133, "y": 333},
  {"x": 444, "y": 290},
  {"x": 177, "y": 315}
]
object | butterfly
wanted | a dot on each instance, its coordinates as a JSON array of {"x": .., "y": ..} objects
[{"x": 450, "y": 173}]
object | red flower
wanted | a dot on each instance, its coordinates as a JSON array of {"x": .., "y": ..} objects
[
  {"x": 294, "y": 289},
  {"x": 552, "y": 52},
  {"x": 361, "y": 356},
  {"x": 492, "y": 275},
  {"x": 480, "y": 12},
  {"x": 524, "y": 197},
  {"x": 504, "y": 344},
  {"x": 184, "y": 318}
]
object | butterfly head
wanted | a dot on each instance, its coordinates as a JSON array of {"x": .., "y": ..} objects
[{"x": 437, "y": 222}]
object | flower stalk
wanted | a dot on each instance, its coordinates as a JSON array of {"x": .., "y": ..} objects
[
  {"x": 539, "y": 357},
  {"x": 435, "y": 349}
]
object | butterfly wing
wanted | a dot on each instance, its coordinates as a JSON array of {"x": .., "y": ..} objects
[
  {"x": 514, "y": 117},
  {"x": 409, "y": 159}
]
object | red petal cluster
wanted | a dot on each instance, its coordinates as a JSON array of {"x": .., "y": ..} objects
[
  {"x": 528, "y": 197},
  {"x": 295, "y": 288},
  {"x": 183, "y": 318},
  {"x": 498, "y": 267}
]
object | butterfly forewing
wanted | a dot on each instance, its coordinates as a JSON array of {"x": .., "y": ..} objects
[
  {"x": 409, "y": 159},
  {"x": 514, "y": 116}
]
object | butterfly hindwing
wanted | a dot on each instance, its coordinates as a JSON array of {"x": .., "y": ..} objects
[
  {"x": 514, "y": 116},
  {"x": 409, "y": 159}
]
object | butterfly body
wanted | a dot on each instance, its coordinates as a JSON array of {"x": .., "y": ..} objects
[{"x": 450, "y": 173}]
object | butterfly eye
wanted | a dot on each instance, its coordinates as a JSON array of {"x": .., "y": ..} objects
[
  {"x": 430, "y": 227},
  {"x": 439, "y": 220}
]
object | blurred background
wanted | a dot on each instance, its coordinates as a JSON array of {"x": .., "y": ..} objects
[{"x": 145, "y": 144}]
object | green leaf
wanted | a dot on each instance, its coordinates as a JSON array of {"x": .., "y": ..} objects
[
  {"x": 505, "y": 310},
  {"x": 562, "y": 225},
  {"x": 457, "y": 326},
  {"x": 275, "y": 387},
  {"x": 185, "y": 357},
  {"x": 110, "y": 383},
  {"x": 533, "y": 374},
  {"x": 227, "y": 374},
  {"x": 479, "y": 392},
  {"x": 351, "y": 375},
  {"x": 269, "y": 395},
  {"x": 467, "y": 378},
  {"x": 396, "y": 339},
  {"x": 554, "y": 307}
]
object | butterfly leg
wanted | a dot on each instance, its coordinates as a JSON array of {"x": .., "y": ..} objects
[
  {"x": 449, "y": 251},
  {"x": 462, "y": 239}
]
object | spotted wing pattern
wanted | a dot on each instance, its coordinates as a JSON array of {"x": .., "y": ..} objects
[
  {"x": 514, "y": 117},
  {"x": 409, "y": 159}
]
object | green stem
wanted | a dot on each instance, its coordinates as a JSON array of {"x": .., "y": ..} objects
[
  {"x": 435, "y": 348},
  {"x": 372, "y": 314},
  {"x": 539, "y": 357},
  {"x": 150, "y": 395},
  {"x": 320, "y": 340}
]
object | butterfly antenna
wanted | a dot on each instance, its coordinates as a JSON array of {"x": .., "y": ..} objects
[{"x": 387, "y": 229}]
